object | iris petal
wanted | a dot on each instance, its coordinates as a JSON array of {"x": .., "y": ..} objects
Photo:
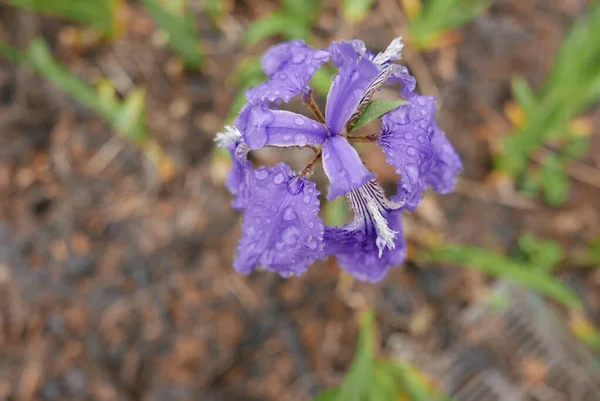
[
  {"x": 282, "y": 230},
  {"x": 343, "y": 167},
  {"x": 262, "y": 126}
]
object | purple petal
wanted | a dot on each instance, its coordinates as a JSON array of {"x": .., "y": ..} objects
[
  {"x": 374, "y": 241},
  {"x": 289, "y": 66},
  {"x": 238, "y": 177},
  {"x": 421, "y": 156},
  {"x": 282, "y": 230},
  {"x": 261, "y": 126},
  {"x": 409, "y": 83},
  {"x": 349, "y": 85},
  {"x": 343, "y": 167},
  {"x": 442, "y": 176}
]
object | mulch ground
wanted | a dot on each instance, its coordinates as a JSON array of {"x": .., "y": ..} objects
[{"x": 117, "y": 286}]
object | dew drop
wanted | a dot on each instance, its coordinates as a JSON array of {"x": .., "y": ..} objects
[
  {"x": 298, "y": 58},
  {"x": 274, "y": 208},
  {"x": 315, "y": 125},
  {"x": 311, "y": 242},
  {"x": 299, "y": 121},
  {"x": 354, "y": 76},
  {"x": 421, "y": 139},
  {"x": 289, "y": 214},
  {"x": 326, "y": 155},
  {"x": 411, "y": 151},
  {"x": 282, "y": 76},
  {"x": 306, "y": 199},
  {"x": 423, "y": 124},
  {"x": 321, "y": 54},
  {"x": 261, "y": 173},
  {"x": 300, "y": 139},
  {"x": 290, "y": 235},
  {"x": 409, "y": 136},
  {"x": 278, "y": 179},
  {"x": 412, "y": 172},
  {"x": 311, "y": 224},
  {"x": 268, "y": 221},
  {"x": 423, "y": 112},
  {"x": 421, "y": 101},
  {"x": 287, "y": 137}
]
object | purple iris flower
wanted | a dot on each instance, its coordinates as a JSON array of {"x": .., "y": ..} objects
[{"x": 282, "y": 230}]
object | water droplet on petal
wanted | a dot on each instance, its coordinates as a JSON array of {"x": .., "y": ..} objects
[
  {"x": 289, "y": 214},
  {"x": 290, "y": 235},
  {"x": 421, "y": 101},
  {"x": 306, "y": 199},
  {"x": 423, "y": 112},
  {"x": 287, "y": 137},
  {"x": 274, "y": 208},
  {"x": 326, "y": 155},
  {"x": 312, "y": 242},
  {"x": 299, "y": 121},
  {"x": 411, "y": 151},
  {"x": 261, "y": 173},
  {"x": 311, "y": 224},
  {"x": 342, "y": 173},
  {"x": 278, "y": 179},
  {"x": 412, "y": 173},
  {"x": 298, "y": 58},
  {"x": 300, "y": 139},
  {"x": 421, "y": 139},
  {"x": 315, "y": 125},
  {"x": 321, "y": 54},
  {"x": 354, "y": 76},
  {"x": 408, "y": 136}
]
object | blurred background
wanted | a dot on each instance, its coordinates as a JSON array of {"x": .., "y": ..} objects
[{"x": 117, "y": 237}]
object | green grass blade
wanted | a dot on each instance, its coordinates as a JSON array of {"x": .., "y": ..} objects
[
  {"x": 498, "y": 265},
  {"x": 181, "y": 32},
  {"x": 99, "y": 14},
  {"x": 277, "y": 23},
  {"x": 356, "y": 10}
]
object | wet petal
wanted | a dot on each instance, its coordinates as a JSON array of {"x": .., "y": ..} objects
[
  {"x": 399, "y": 73},
  {"x": 354, "y": 77},
  {"x": 290, "y": 66},
  {"x": 237, "y": 179},
  {"x": 393, "y": 52},
  {"x": 282, "y": 230},
  {"x": 261, "y": 126},
  {"x": 373, "y": 241},
  {"x": 343, "y": 167},
  {"x": 421, "y": 156},
  {"x": 447, "y": 165}
]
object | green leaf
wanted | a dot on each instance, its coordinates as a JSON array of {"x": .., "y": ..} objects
[
  {"x": 99, "y": 14},
  {"x": 523, "y": 94},
  {"x": 356, "y": 384},
  {"x": 274, "y": 24},
  {"x": 181, "y": 32},
  {"x": 498, "y": 265},
  {"x": 306, "y": 10},
  {"x": 376, "y": 109},
  {"x": 554, "y": 180},
  {"x": 542, "y": 255},
  {"x": 594, "y": 251},
  {"x": 356, "y": 10},
  {"x": 331, "y": 394}
]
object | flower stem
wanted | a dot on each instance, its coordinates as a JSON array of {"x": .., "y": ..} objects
[
  {"x": 309, "y": 101},
  {"x": 308, "y": 170},
  {"x": 368, "y": 138}
]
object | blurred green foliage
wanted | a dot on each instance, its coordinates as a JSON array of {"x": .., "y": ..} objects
[
  {"x": 543, "y": 255},
  {"x": 572, "y": 86},
  {"x": 527, "y": 273},
  {"x": 373, "y": 379},
  {"x": 356, "y": 10},
  {"x": 429, "y": 21},
  {"x": 99, "y": 14},
  {"x": 126, "y": 116},
  {"x": 180, "y": 29}
]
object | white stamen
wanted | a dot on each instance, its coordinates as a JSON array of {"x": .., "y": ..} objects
[
  {"x": 228, "y": 138},
  {"x": 393, "y": 52},
  {"x": 371, "y": 196},
  {"x": 385, "y": 235}
]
